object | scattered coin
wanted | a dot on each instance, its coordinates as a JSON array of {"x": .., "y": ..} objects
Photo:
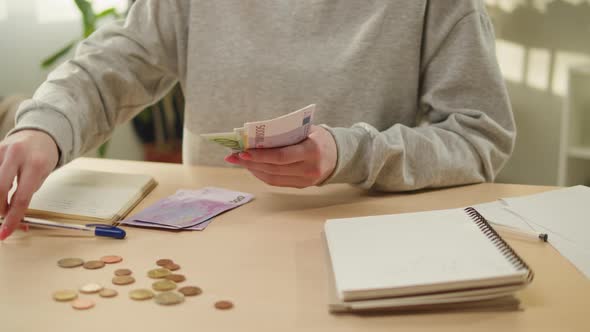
[
  {"x": 164, "y": 285},
  {"x": 93, "y": 265},
  {"x": 190, "y": 291},
  {"x": 169, "y": 298},
  {"x": 123, "y": 280},
  {"x": 158, "y": 273},
  {"x": 108, "y": 292},
  {"x": 162, "y": 262},
  {"x": 82, "y": 304},
  {"x": 176, "y": 277},
  {"x": 141, "y": 294},
  {"x": 111, "y": 259},
  {"x": 172, "y": 266},
  {"x": 70, "y": 262},
  {"x": 123, "y": 272},
  {"x": 90, "y": 288},
  {"x": 65, "y": 295},
  {"x": 224, "y": 305}
]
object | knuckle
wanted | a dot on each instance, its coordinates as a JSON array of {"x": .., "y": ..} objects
[
  {"x": 21, "y": 201},
  {"x": 38, "y": 162},
  {"x": 16, "y": 149}
]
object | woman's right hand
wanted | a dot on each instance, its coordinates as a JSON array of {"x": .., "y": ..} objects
[{"x": 29, "y": 155}]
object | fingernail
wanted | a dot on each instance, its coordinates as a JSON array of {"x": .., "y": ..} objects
[
  {"x": 232, "y": 159},
  {"x": 4, "y": 233},
  {"x": 245, "y": 156}
]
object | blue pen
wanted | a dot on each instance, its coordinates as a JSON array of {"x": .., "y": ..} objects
[{"x": 96, "y": 229}]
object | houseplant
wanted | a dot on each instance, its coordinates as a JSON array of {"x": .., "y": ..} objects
[{"x": 160, "y": 126}]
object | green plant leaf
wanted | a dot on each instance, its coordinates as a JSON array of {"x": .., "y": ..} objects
[
  {"x": 108, "y": 12},
  {"x": 49, "y": 61},
  {"x": 88, "y": 16},
  {"x": 102, "y": 150}
]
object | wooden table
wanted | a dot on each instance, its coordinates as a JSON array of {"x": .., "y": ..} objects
[{"x": 267, "y": 257}]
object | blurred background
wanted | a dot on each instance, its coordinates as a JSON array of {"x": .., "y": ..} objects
[{"x": 543, "y": 47}]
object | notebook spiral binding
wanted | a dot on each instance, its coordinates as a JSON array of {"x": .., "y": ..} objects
[{"x": 504, "y": 248}]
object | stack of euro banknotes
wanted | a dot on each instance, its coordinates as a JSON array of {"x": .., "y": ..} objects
[{"x": 286, "y": 130}]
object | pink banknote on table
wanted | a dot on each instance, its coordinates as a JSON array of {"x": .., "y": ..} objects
[{"x": 189, "y": 209}]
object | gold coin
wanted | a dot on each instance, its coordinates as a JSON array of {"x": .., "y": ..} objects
[
  {"x": 65, "y": 295},
  {"x": 70, "y": 262},
  {"x": 158, "y": 273},
  {"x": 82, "y": 304},
  {"x": 172, "y": 266},
  {"x": 123, "y": 272},
  {"x": 164, "y": 285},
  {"x": 107, "y": 292},
  {"x": 112, "y": 259},
  {"x": 91, "y": 288},
  {"x": 190, "y": 291},
  {"x": 224, "y": 305},
  {"x": 169, "y": 298},
  {"x": 141, "y": 294},
  {"x": 164, "y": 261},
  {"x": 176, "y": 277},
  {"x": 123, "y": 280},
  {"x": 93, "y": 265}
]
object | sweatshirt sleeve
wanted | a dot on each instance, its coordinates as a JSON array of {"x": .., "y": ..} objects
[
  {"x": 116, "y": 72},
  {"x": 466, "y": 132}
]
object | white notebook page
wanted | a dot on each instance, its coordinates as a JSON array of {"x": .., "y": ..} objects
[
  {"x": 404, "y": 250},
  {"x": 88, "y": 193}
]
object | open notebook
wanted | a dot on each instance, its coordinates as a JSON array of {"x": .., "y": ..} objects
[
  {"x": 85, "y": 195},
  {"x": 445, "y": 258}
]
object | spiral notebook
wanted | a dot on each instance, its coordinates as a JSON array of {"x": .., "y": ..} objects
[{"x": 444, "y": 258}]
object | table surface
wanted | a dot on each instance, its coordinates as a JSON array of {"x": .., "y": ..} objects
[{"x": 267, "y": 257}]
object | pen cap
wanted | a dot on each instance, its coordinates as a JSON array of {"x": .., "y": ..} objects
[{"x": 113, "y": 232}]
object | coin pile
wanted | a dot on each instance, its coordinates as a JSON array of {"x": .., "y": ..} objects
[{"x": 165, "y": 284}]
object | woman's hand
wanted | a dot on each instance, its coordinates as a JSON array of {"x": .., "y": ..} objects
[
  {"x": 301, "y": 165},
  {"x": 30, "y": 155}
]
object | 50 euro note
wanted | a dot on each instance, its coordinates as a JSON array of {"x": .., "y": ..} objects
[{"x": 286, "y": 130}]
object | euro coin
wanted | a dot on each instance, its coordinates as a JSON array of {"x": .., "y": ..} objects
[
  {"x": 93, "y": 265},
  {"x": 70, "y": 262},
  {"x": 172, "y": 266},
  {"x": 108, "y": 292},
  {"x": 224, "y": 305},
  {"x": 169, "y": 298},
  {"x": 90, "y": 288},
  {"x": 164, "y": 285},
  {"x": 123, "y": 280},
  {"x": 190, "y": 291},
  {"x": 158, "y": 273},
  {"x": 164, "y": 261},
  {"x": 65, "y": 295},
  {"x": 82, "y": 304},
  {"x": 176, "y": 277},
  {"x": 111, "y": 259},
  {"x": 123, "y": 272},
  {"x": 141, "y": 294}
]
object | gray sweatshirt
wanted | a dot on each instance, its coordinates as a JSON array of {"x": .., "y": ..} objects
[{"x": 410, "y": 89}]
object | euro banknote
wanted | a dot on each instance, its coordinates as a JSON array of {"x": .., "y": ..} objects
[
  {"x": 285, "y": 130},
  {"x": 189, "y": 209}
]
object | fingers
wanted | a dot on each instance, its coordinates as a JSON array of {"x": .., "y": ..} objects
[
  {"x": 8, "y": 171},
  {"x": 282, "y": 180},
  {"x": 277, "y": 156},
  {"x": 28, "y": 182}
]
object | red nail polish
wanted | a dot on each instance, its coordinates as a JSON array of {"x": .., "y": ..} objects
[
  {"x": 4, "y": 233},
  {"x": 245, "y": 156},
  {"x": 232, "y": 159}
]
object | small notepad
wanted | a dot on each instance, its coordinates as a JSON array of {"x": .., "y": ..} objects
[
  {"x": 86, "y": 195},
  {"x": 452, "y": 252}
]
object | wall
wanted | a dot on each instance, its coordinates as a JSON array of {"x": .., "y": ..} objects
[
  {"x": 31, "y": 30},
  {"x": 536, "y": 42}
]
